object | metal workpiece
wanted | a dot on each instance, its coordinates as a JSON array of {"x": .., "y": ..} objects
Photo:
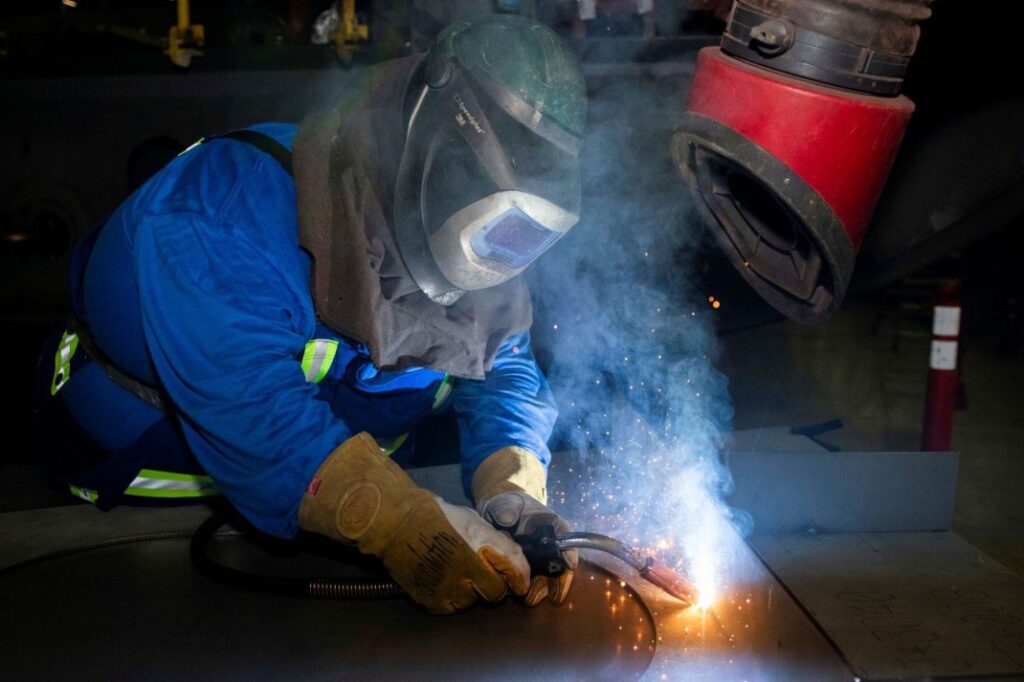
[
  {"x": 138, "y": 609},
  {"x": 116, "y": 592},
  {"x": 750, "y": 630}
]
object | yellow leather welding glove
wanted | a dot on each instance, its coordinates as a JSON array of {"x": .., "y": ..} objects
[
  {"x": 510, "y": 490},
  {"x": 445, "y": 557}
]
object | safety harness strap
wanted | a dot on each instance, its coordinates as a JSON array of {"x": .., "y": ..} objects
[
  {"x": 62, "y": 361},
  {"x": 143, "y": 391},
  {"x": 264, "y": 143}
]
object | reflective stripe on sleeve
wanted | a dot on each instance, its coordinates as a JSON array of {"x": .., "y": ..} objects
[
  {"x": 154, "y": 483},
  {"x": 443, "y": 391},
  {"x": 388, "y": 447},
  {"x": 84, "y": 493},
  {"x": 317, "y": 359}
]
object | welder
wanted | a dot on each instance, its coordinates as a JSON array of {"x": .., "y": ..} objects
[{"x": 271, "y": 315}]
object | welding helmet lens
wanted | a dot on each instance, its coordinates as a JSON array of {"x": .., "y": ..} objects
[
  {"x": 493, "y": 194},
  {"x": 513, "y": 238}
]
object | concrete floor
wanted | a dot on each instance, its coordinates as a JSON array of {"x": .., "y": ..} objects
[{"x": 784, "y": 374}]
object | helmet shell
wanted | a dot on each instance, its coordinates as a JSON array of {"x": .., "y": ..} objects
[{"x": 525, "y": 58}]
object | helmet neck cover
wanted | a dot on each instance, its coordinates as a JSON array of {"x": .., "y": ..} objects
[{"x": 346, "y": 160}]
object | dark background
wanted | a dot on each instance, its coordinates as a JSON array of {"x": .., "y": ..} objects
[{"x": 87, "y": 114}]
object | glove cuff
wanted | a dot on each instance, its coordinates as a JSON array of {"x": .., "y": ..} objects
[
  {"x": 511, "y": 469},
  {"x": 359, "y": 495}
]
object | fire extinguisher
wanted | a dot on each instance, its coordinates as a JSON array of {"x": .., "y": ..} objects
[{"x": 789, "y": 131}]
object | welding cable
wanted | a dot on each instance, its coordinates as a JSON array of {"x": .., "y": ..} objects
[
  {"x": 314, "y": 588},
  {"x": 602, "y": 543},
  {"x": 384, "y": 588},
  {"x": 102, "y": 544}
]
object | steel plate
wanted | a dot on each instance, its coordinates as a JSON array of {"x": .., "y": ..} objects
[{"x": 140, "y": 611}]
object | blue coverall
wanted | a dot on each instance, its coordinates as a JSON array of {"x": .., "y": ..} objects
[{"x": 197, "y": 285}]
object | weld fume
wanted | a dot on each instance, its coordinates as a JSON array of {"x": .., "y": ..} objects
[{"x": 629, "y": 345}]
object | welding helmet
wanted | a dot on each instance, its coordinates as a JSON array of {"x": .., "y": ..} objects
[{"x": 489, "y": 177}]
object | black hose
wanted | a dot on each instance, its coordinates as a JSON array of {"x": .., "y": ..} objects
[
  {"x": 602, "y": 543},
  {"x": 384, "y": 588},
  {"x": 315, "y": 587}
]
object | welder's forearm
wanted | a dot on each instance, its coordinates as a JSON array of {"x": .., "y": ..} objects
[
  {"x": 481, "y": 440},
  {"x": 511, "y": 407},
  {"x": 510, "y": 469},
  {"x": 505, "y": 422},
  {"x": 491, "y": 423}
]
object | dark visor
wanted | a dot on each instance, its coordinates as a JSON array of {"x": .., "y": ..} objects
[{"x": 513, "y": 238}]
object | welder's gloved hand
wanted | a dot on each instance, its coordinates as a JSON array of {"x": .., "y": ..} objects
[
  {"x": 510, "y": 489},
  {"x": 446, "y": 557}
]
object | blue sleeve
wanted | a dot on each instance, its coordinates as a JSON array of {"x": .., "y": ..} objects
[
  {"x": 225, "y": 323},
  {"x": 512, "y": 405}
]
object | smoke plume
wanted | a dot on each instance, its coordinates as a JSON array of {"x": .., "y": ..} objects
[{"x": 628, "y": 339}]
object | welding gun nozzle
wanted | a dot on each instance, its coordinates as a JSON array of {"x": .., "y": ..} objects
[
  {"x": 670, "y": 581},
  {"x": 654, "y": 573}
]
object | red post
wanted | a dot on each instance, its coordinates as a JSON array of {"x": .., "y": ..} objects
[{"x": 943, "y": 376}]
